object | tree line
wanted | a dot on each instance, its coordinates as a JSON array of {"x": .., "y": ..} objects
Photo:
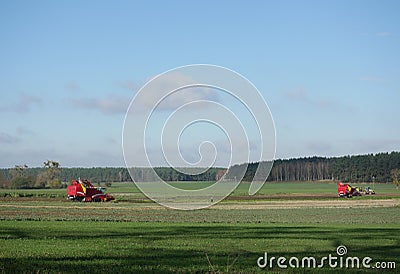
[
  {"x": 381, "y": 167},
  {"x": 23, "y": 177},
  {"x": 51, "y": 175}
]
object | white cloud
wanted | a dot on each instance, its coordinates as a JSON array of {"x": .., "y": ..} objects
[
  {"x": 23, "y": 104},
  {"x": 337, "y": 147},
  {"x": 148, "y": 98},
  {"x": 367, "y": 145},
  {"x": 318, "y": 147},
  {"x": 372, "y": 79},
  {"x": 127, "y": 85},
  {"x": 34, "y": 157},
  {"x": 112, "y": 141},
  {"x": 6, "y": 138},
  {"x": 109, "y": 105},
  {"x": 72, "y": 86},
  {"x": 22, "y": 130},
  {"x": 152, "y": 93},
  {"x": 300, "y": 96},
  {"x": 384, "y": 34},
  {"x": 297, "y": 94}
]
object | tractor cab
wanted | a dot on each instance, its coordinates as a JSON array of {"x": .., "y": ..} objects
[{"x": 369, "y": 191}]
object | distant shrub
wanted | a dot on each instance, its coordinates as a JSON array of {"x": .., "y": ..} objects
[{"x": 22, "y": 182}]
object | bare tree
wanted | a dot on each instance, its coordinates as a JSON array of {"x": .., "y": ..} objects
[
  {"x": 50, "y": 176},
  {"x": 395, "y": 177},
  {"x": 20, "y": 177}
]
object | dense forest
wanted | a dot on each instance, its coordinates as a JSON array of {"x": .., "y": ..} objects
[
  {"x": 360, "y": 168},
  {"x": 381, "y": 167}
]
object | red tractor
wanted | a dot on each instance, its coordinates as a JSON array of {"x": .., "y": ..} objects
[
  {"x": 346, "y": 190},
  {"x": 84, "y": 191}
]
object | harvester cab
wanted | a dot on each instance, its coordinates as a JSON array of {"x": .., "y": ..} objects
[
  {"x": 346, "y": 190},
  {"x": 84, "y": 191}
]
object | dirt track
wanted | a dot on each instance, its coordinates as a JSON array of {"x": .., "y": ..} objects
[
  {"x": 229, "y": 204},
  {"x": 328, "y": 203}
]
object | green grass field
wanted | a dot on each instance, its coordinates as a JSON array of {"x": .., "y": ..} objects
[
  {"x": 53, "y": 246},
  {"x": 45, "y": 233},
  {"x": 269, "y": 188}
]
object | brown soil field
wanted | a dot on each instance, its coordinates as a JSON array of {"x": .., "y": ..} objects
[
  {"x": 237, "y": 202},
  {"x": 326, "y": 203}
]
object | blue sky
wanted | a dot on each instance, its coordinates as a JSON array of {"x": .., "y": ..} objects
[{"x": 329, "y": 71}]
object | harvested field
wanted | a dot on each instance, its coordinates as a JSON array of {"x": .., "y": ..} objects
[{"x": 42, "y": 233}]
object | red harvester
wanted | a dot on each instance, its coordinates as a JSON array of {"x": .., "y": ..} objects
[
  {"x": 346, "y": 190},
  {"x": 84, "y": 191}
]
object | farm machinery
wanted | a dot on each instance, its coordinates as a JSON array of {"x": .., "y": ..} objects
[
  {"x": 368, "y": 191},
  {"x": 346, "y": 190},
  {"x": 84, "y": 191}
]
